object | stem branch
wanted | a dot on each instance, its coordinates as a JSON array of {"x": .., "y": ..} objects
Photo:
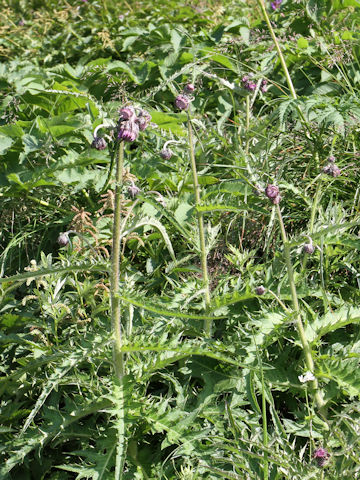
[
  {"x": 203, "y": 256},
  {"x": 300, "y": 327}
]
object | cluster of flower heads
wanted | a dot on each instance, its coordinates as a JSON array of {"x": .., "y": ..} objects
[
  {"x": 273, "y": 193},
  {"x": 247, "y": 83},
  {"x": 130, "y": 125},
  {"x": 276, "y": 4},
  {"x": 250, "y": 85},
  {"x": 128, "y": 128},
  {"x": 183, "y": 100}
]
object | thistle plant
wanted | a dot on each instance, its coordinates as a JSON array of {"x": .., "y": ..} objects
[
  {"x": 128, "y": 128},
  {"x": 273, "y": 193},
  {"x": 183, "y": 102}
]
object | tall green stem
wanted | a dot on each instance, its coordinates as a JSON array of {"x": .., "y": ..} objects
[
  {"x": 118, "y": 356},
  {"x": 300, "y": 327},
  {"x": 115, "y": 268},
  {"x": 203, "y": 256},
  {"x": 281, "y": 56}
]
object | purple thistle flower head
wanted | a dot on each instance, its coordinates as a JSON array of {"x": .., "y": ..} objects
[
  {"x": 189, "y": 88},
  {"x": 99, "y": 143},
  {"x": 321, "y": 456},
  {"x": 166, "y": 153},
  {"x": 143, "y": 119},
  {"x": 332, "y": 169},
  {"x": 308, "y": 248},
  {"x": 127, "y": 113},
  {"x": 263, "y": 86},
  {"x": 272, "y": 191},
  {"x": 251, "y": 86},
  {"x": 276, "y": 4},
  {"x": 260, "y": 290},
  {"x": 182, "y": 102},
  {"x": 63, "y": 239},
  {"x": 133, "y": 190},
  {"x": 128, "y": 131}
]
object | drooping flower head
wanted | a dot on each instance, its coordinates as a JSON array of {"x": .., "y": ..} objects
[
  {"x": 63, "y": 239},
  {"x": 143, "y": 119},
  {"x": 133, "y": 190},
  {"x": 308, "y": 248},
  {"x": 99, "y": 143},
  {"x": 128, "y": 131},
  {"x": 166, "y": 153},
  {"x": 182, "y": 102},
  {"x": 127, "y": 113},
  {"x": 260, "y": 290}
]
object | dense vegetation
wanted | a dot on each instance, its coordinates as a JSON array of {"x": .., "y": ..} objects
[{"x": 237, "y": 240}]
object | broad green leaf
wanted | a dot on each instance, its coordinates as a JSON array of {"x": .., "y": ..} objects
[
  {"x": 331, "y": 322},
  {"x": 5, "y": 144},
  {"x": 302, "y": 43},
  {"x": 59, "y": 125},
  {"x": 171, "y": 122},
  {"x": 161, "y": 310},
  {"x": 119, "y": 66}
]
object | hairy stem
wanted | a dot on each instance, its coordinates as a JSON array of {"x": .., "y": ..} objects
[
  {"x": 281, "y": 56},
  {"x": 203, "y": 256},
  {"x": 118, "y": 356},
  {"x": 300, "y": 327}
]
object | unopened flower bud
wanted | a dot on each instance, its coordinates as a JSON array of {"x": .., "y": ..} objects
[
  {"x": 260, "y": 290},
  {"x": 331, "y": 159},
  {"x": 99, "y": 143},
  {"x": 321, "y": 456},
  {"x": 166, "y": 153},
  {"x": 189, "y": 88},
  {"x": 133, "y": 190},
  {"x": 143, "y": 119},
  {"x": 276, "y": 200},
  {"x": 272, "y": 191},
  {"x": 308, "y": 248},
  {"x": 182, "y": 102},
  {"x": 63, "y": 239}
]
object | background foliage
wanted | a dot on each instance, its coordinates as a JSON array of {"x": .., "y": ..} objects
[{"x": 231, "y": 406}]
